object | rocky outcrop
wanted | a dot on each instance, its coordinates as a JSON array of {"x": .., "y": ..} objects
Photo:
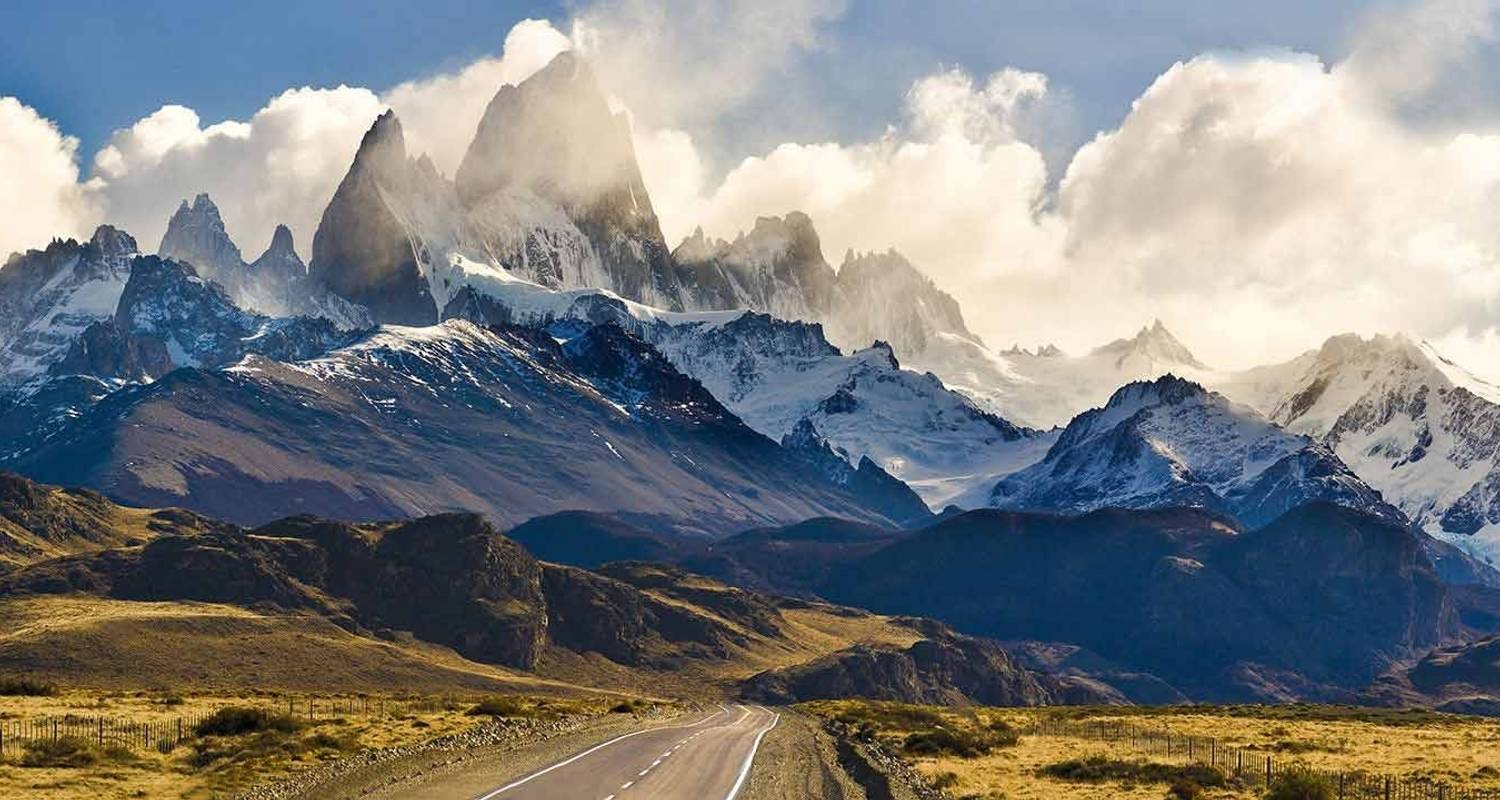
[
  {"x": 886, "y": 298},
  {"x": 450, "y": 579},
  {"x": 363, "y": 251},
  {"x": 777, "y": 268},
  {"x": 39, "y": 522},
  {"x": 592, "y": 612},
  {"x": 944, "y": 669}
]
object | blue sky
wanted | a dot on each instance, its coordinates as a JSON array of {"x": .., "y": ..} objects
[{"x": 97, "y": 65}]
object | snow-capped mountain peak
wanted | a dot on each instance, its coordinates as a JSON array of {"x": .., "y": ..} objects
[
  {"x": 1409, "y": 421},
  {"x": 1152, "y": 345},
  {"x": 48, "y": 297},
  {"x": 196, "y": 235},
  {"x": 1171, "y": 442}
]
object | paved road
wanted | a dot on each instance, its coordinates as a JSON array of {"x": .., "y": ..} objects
[{"x": 706, "y": 759}]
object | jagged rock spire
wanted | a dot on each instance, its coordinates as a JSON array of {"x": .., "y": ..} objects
[
  {"x": 196, "y": 235},
  {"x": 362, "y": 252}
]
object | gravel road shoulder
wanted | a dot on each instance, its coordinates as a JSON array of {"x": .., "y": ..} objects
[
  {"x": 464, "y": 765},
  {"x": 797, "y": 761}
]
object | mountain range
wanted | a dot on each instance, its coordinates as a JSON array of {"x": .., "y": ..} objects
[{"x": 519, "y": 341}]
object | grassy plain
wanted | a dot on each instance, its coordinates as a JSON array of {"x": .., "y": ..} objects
[
  {"x": 207, "y": 767},
  {"x": 1412, "y": 745}
]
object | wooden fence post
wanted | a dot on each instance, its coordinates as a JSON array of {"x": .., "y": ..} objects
[{"x": 1268, "y": 770}]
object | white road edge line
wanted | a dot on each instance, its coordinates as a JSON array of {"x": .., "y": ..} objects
[
  {"x": 539, "y": 773},
  {"x": 750, "y": 759}
]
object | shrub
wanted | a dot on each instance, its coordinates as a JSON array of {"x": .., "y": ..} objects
[
  {"x": 26, "y": 687},
  {"x": 1185, "y": 790},
  {"x": 68, "y": 751},
  {"x": 1003, "y": 734},
  {"x": 345, "y": 743},
  {"x": 120, "y": 754},
  {"x": 238, "y": 721},
  {"x": 944, "y": 780},
  {"x": 1300, "y": 785},
  {"x": 628, "y": 706},
  {"x": 885, "y": 714},
  {"x": 1096, "y": 769},
  {"x": 961, "y": 743},
  {"x": 500, "y": 707}
]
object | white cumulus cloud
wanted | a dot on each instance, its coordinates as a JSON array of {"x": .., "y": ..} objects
[
  {"x": 1256, "y": 202},
  {"x": 40, "y": 195},
  {"x": 283, "y": 163}
]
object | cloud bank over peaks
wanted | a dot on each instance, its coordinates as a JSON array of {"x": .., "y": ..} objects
[
  {"x": 279, "y": 166},
  {"x": 1258, "y": 202},
  {"x": 40, "y": 195}
]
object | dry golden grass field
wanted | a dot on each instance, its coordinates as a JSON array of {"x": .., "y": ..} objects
[
  {"x": 211, "y": 766},
  {"x": 1462, "y": 752}
]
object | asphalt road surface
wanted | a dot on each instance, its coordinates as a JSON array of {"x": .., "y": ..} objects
[{"x": 705, "y": 759}]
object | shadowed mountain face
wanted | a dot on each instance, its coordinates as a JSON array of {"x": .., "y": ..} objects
[
  {"x": 362, "y": 250},
  {"x": 453, "y": 580},
  {"x": 405, "y": 422},
  {"x": 1326, "y": 593},
  {"x": 1313, "y": 605}
]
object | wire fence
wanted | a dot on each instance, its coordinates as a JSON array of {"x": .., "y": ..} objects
[
  {"x": 167, "y": 733},
  {"x": 1255, "y": 766}
]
